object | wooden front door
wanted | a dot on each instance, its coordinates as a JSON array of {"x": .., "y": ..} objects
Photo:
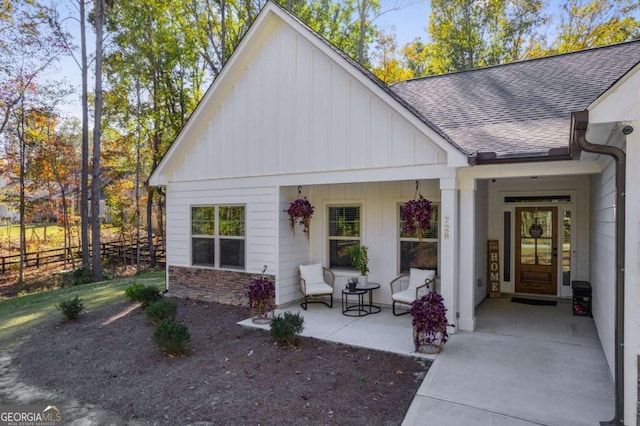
[{"x": 536, "y": 250}]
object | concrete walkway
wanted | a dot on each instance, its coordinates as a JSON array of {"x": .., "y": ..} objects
[{"x": 524, "y": 365}]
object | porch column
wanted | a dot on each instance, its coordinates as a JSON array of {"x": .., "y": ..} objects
[
  {"x": 449, "y": 247},
  {"x": 467, "y": 251},
  {"x": 632, "y": 277}
]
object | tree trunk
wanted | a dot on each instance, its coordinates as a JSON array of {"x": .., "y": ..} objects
[
  {"x": 96, "y": 261},
  {"x": 84, "y": 186},
  {"x": 152, "y": 252},
  {"x": 23, "y": 233}
]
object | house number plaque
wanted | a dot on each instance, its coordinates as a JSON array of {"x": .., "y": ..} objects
[{"x": 493, "y": 268}]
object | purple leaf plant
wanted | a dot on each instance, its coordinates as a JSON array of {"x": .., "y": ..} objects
[
  {"x": 417, "y": 217},
  {"x": 300, "y": 210},
  {"x": 429, "y": 320}
]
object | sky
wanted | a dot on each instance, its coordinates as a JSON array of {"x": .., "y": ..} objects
[{"x": 410, "y": 20}]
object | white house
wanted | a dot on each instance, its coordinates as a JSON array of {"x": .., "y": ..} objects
[{"x": 493, "y": 149}]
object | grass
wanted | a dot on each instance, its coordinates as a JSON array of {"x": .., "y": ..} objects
[
  {"x": 20, "y": 315},
  {"x": 10, "y": 236}
]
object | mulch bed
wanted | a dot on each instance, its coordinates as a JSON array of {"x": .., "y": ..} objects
[{"x": 233, "y": 375}]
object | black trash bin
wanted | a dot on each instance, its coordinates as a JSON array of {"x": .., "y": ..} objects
[{"x": 581, "y": 298}]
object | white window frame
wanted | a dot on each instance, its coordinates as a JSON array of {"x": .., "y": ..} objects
[
  {"x": 217, "y": 237},
  {"x": 335, "y": 238}
]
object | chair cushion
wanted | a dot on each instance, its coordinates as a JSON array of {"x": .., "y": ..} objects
[
  {"x": 409, "y": 295},
  {"x": 404, "y": 296},
  {"x": 417, "y": 277},
  {"x": 312, "y": 274},
  {"x": 318, "y": 288}
]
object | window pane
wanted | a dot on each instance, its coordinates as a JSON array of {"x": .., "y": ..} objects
[
  {"x": 231, "y": 221},
  {"x": 344, "y": 221},
  {"x": 416, "y": 254},
  {"x": 566, "y": 248},
  {"x": 431, "y": 233},
  {"x": 231, "y": 253},
  {"x": 203, "y": 220},
  {"x": 339, "y": 253},
  {"x": 203, "y": 250}
]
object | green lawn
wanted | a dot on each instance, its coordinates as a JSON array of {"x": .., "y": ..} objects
[{"x": 20, "y": 315}]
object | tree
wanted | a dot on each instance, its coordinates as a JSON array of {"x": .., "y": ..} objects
[
  {"x": 96, "y": 183},
  {"x": 156, "y": 48},
  {"x": 469, "y": 34},
  {"x": 30, "y": 44},
  {"x": 346, "y": 24},
  {"x": 389, "y": 66},
  {"x": 595, "y": 23},
  {"x": 417, "y": 58}
]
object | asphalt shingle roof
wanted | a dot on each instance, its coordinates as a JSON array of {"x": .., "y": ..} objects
[{"x": 519, "y": 109}]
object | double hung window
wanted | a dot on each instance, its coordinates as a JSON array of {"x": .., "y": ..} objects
[
  {"x": 218, "y": 236},
  {"x": 345, "y": 230},
  {"x": 415, "y": 253}
]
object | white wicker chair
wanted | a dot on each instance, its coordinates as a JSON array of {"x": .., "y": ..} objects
[
  {"x": 316, "y": 283},
  {"x": 420, "y": 282}
]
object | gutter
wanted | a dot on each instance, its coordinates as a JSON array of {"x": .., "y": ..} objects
[
  {"x": 557, "y": 154},
  {"x": 579, "y": 123}
]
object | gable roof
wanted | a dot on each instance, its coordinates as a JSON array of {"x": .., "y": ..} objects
[
  {"x": 521, "y": 109},
  {"x": 269, "y": 18}
]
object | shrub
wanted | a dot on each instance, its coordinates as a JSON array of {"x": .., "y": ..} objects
[
  {"x": 160, "y": 310},
  {"x": 80, "y": 276},
  {"x": 144, "y": 294},
  {"x": 285, "y": 327},
  {"x": 171, "y": 336},
  {"x": 131, "y": 292},
  {"x": 148, "y": 294},
  {"x": 71, "y": 308}
]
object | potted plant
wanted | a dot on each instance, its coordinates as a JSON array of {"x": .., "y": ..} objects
[
  {"x": 262, "y": 295},
  {"x": 360, "y": 259},
  {"x": 417, "y": 217},
  {"x": 429, "y": 323}
]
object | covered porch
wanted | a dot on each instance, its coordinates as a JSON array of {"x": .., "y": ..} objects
[{"x": 523, "y": 365}]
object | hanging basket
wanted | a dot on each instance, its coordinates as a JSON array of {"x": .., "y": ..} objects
[
  {"x": 300, "y": 211},
  {"x": 417, "y": 216}
]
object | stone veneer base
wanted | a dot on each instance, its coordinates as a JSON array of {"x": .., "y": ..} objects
[{"x": 212, "y": 285}]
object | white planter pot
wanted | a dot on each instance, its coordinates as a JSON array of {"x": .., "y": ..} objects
[{"x": 363, "y": 280}]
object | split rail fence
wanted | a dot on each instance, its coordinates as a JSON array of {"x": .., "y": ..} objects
[{"x": 120, "y": 252}]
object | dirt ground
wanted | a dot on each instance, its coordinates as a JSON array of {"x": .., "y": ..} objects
[{"x": 107, "y": 364}]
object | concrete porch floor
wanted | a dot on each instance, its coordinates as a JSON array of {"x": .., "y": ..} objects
[{"x": 524, "y": 364}]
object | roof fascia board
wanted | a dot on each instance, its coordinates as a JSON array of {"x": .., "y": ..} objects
[
  {"x": 408, "y": 173},
  {"x": 551, "y": 168},
  {"x": 619, "y": 102}
]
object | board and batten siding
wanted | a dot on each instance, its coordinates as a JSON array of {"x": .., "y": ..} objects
[
  {"x": 260, "y": 215},
  {"x": 293, "y": 109},
  {"x": 379, "y": 203},
  {"x": 293, "y": 250}
]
